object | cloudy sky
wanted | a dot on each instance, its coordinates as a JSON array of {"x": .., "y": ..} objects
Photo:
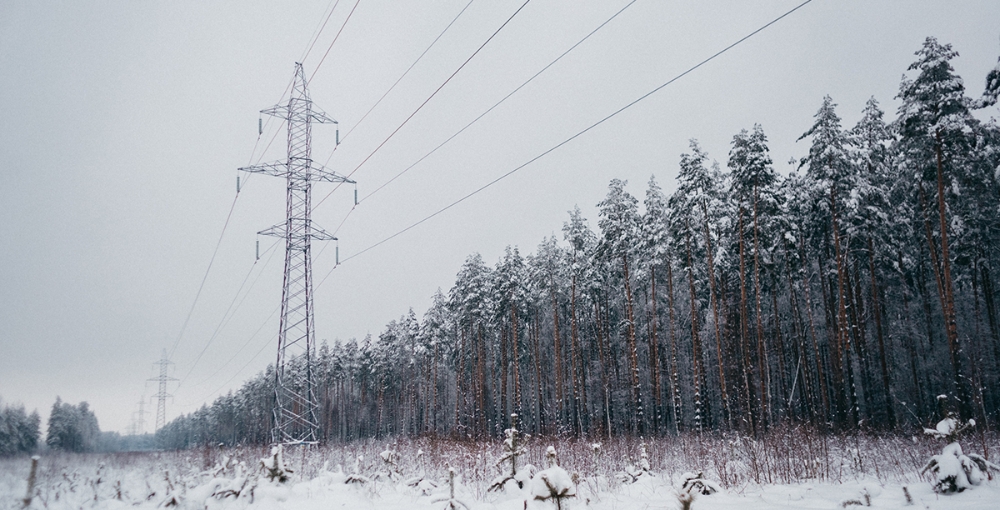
[{"x": 123, "y": 124}]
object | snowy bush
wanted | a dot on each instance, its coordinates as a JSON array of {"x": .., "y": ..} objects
[
  {"x": 696, "y": 483},
  {"x": 451, "y": 502},
  {"x": 953, "y": 470},
  {"x": 634, "y": 473},
  {"x": 390, "y": 469},
  {"x": 552, "y": 484},
  {"x": 949, "y": 429},
  {"x": 513, "y": 446},
  {"x": 275, "y": 467},
  {"x": 356, "y": 477}
]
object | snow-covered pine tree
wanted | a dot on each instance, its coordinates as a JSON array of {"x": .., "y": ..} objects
[
  {"x": 619, "y": 222},
  {"x": 509, "y": 291},
  {"x": 582, "y": 243},
  {"x": 753, "y": 189},
  {"x": 934, "y": 123},
  {"x": 695, "y": 211},
  {"x": 434, "y": 335},
  {"x": 653, "y": 254},
  {"x": 513, "y": 447},
  {"x": 549, "y": 276},
  {"x": 870, "y": 139},
  {"x": 471, "y": 302},
  {"x": 992, "y": 89},
  {"x": 553, "y": 484},
  {"x": 829, "y": 164},
  {"x": 19, "y": 431}
]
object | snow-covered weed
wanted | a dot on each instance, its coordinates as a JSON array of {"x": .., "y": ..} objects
[
  {"x": 213, "y": 476},
  {"x": 953, "y": 470}
]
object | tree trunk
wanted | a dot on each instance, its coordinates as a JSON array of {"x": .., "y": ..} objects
[
  {"x": 675, "y": 395},
  {"x": 557, "y": 350},
  {"x": 604, "y": 366},
  {"x": 807, "y": 389},
  {"x": 434, "y": 388},
  {"x": 695, "y": 339},
  {"x": 951, "y": 324},
  {"x": 654, "y": 356},
  {"x": 745, "y": 333},
  {"x": 480, "y": 418},
  {"x": 782, "y": 390},
  {"x": 459, "y": 394},
  {"x": 726, "y": 412},
  {"x": 633, "y": 352},
  {"x": 539, "y": 402},
  {"x": 908, "y": 340},
  {"x": 517, "y": 358},
  {"x": 877, "y": 312},
  {"x": 762, "y": 361},
  {"x": 504, "y": 367}
]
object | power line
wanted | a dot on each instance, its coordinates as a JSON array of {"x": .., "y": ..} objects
[
  {"x": 245, "y": 365},
  {"x": 316, "y": 69},
  {"x": 497, "y": 31},
  {"x": 226, "y": 317},
  {"x": 488, "y": 110},
  {"x": 251, "y": 337},
  {"x": 317, "y": 33},
  {"x": 205, "y": 277},
  {"x": 408, "y": 69},
  {"x": 498, "y": 103},
  {"x": 578, "y": 134}
]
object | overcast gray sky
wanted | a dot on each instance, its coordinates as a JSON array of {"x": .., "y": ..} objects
[{"x": 123, "y": 124}]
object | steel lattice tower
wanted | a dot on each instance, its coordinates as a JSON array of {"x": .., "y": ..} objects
[
  {"x": 295, "y": 419},
  {"x": 161, "y": 395},
  {"x": 138, "y": 426}
]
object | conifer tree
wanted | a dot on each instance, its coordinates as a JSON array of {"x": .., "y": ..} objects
[
  {"x": 933, "y": 121},
  {"x": 619, "y": 222},
  {"x": 753, "y": 182}
]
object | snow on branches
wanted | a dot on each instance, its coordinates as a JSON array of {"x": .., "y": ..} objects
[
  {"x": 552, "y": 484},
  {"x": 513, "y": 445},
  {"x": 953, "y": 470}
]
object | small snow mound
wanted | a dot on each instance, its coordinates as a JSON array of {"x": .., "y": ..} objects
[
  {"x": 693, "y": 483},
  {"x": 554, "y": 483},
  {"x": 954, "y": 471}
]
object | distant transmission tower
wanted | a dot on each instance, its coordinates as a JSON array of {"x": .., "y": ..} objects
[
  {"x": 161, "y": 395},
  {"x": 295, "y": 406},
  {"x": 138, "y": 427}
]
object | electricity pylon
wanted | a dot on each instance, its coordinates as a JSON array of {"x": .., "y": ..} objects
[
  {"x": 295, "y": 419},
  {"x": 138, "y": 426},
  {"x": 161, "y": 395}
]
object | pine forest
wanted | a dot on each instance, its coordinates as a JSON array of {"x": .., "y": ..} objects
[{"x": 858, "y": 292}]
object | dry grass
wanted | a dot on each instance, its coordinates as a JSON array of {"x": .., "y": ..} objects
[{"x": 784, "y": 456}]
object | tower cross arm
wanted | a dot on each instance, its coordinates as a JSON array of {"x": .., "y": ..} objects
[
  {"x": 275, "y": 169},
  {"x": 314, "y": 232},
  {"x": 287, "y": 112},
  {"x": 162, "y": 378},
  {"x": 278, "y": 169},
  {"x": 321, "y": 173},
  {"x": 317, "y": 115}
]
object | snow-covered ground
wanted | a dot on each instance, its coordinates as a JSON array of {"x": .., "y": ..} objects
[{"x": 415, "y": 476}]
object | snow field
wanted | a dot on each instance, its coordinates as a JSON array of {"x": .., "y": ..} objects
[{"x": 791, "y": 470}]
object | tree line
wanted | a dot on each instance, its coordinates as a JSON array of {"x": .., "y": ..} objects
[
  {"x": 19, "y": 430},
  {"x": 857, "y": 291}
]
